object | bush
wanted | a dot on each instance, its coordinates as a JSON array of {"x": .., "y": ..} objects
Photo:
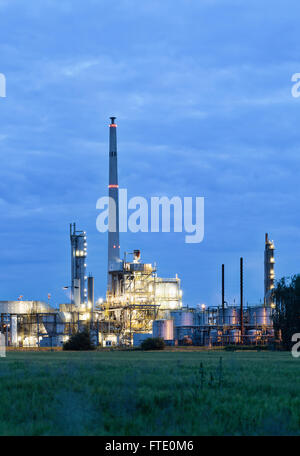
[
  {"x": 153, "y": 343},
  {"x": 79, "y": 341}
]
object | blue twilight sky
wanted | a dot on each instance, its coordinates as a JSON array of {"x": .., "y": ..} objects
[{"x": 202, "y": 93}]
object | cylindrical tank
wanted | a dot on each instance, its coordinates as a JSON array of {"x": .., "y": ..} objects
[
  {"x": 253, "y": 336},
  {"x": 260, "y": 316},
  {"x": 234, "y": 336},
  {"x": 164, "y": 329},
  {"x": 14, "y": 330},
  {"x": 231, "y": 316},
  {"x": 201, "y": 318},
  {"x": 183, "y": 318}
]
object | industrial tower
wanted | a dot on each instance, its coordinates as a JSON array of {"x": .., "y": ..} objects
[
  {"x": 78, "y": 266},
  {"x": 269, "y": 270},
  {"x": 114, "y": 262}
]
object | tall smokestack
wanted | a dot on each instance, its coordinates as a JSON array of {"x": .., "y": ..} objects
[{"x": 113, "y": 193}]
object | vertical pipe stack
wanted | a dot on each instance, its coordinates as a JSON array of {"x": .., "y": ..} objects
[
  {"x": 223, "y": 295},
  {"x": 269, "y": 270},
  {"x": 242, "y": 299},
  {"x": 113, "y": 216}
]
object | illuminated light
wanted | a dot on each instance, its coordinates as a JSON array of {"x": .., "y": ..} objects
[
  {"x": 113, "y": 186},
  {"x": 114, "y": 246},
  {"x": 113, "y": 125},
  {"x": 203, "y": 306}
]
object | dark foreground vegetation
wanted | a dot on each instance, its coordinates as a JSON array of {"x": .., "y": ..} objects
[
  {"x": 153, "y": 343},
  {"x": 79, "y": 341},
  {"x": 287, "y": 310}
]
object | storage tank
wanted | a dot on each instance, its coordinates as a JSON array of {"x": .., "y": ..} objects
[
  {"x": 202, "y": 318},
  {"x": 234, "y": 336},
  {"x": 164, "y": 329},
  {"x": 253, "y": 336},
  {"x": 183, "y": 318},
  {"x": 231, "y": 316},
  {"x": 14, "y": 330},
  {"x": 260, "y": 316}
]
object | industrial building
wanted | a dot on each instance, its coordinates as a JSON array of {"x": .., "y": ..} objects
[{"x": 138, "y": 302}]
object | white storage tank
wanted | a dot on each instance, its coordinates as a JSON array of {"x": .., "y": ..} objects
[
  {"x": 183, "y": 318},
  {"x": 14, "y": 330},
  {"x": 260, "y": 316},
  {"x": 231, "y": 316},
  {"x": 163, "y": 329},
  {"x": 235, "y": 336}
]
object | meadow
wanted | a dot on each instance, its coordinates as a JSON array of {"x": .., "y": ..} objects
[{"x": 149, "y": 393}]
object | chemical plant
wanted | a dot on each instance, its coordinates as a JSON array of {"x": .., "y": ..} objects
[{"x": 138, "y": 304}]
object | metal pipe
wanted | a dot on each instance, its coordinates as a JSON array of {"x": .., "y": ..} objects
[
  {"x": 223, "y": 294},
  {"x": 242, "y": 298}
]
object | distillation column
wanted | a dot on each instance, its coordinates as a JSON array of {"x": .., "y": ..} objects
[
  {"x": 78, "y": 266},
  {"x": 269, "y": 270}
]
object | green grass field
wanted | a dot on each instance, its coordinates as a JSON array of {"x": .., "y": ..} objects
[{"x": 149, "y": 393}]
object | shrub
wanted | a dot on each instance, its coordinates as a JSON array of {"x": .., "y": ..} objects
[
  {"x": 286, "y": 316},
  {"x": 79, "y": 341},
  {"x": 153, "y": 343}
]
